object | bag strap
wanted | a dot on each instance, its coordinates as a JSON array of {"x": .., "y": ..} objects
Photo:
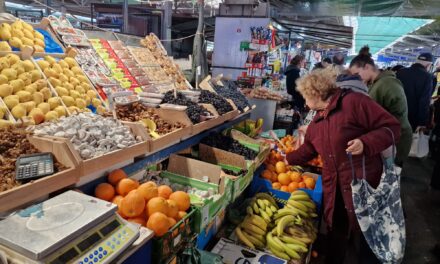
[{"x": 353, "y": 174}]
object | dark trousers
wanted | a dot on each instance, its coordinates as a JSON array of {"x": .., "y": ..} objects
[
  {"x": 435, "y": 178},
  {"x": 344, "y": 246}
]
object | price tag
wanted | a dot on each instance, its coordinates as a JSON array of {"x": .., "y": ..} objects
[{"x": 205, "y": 215}]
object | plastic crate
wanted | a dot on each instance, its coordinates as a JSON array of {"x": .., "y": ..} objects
[{"x": 173, "y": 240}]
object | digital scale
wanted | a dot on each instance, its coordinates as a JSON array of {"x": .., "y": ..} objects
[{"x": 69, "y": 228}]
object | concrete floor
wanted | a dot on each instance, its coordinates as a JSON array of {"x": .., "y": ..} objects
[{"x": 422, "y": 210}]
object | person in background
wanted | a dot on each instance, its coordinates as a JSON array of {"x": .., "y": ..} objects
[
  {"x": 346, "y": 122},
  {"x": 397, "y": 68},
  {"x": 417, "y": 83},
  {"x": 435, "y": 178},
  {"x": 387, "y": 91},
  {"x": 339, "y": 61},
  {"x": 323, "y": 64},
  {"x": 298, "y": 104}
]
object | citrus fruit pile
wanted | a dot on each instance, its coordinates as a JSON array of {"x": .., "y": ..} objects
[
  {"x": 156, "y": 207},
  {"x": 290, "y": 144}
]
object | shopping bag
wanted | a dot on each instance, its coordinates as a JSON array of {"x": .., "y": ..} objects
[
  {"x": 379, "y": 212},
  {"x": 420, "y": 145}
]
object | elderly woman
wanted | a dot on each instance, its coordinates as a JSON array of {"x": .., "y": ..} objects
[{"x": 346, "y": 122}]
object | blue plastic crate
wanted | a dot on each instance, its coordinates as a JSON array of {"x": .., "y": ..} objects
[{"x": 260, "y": 184}]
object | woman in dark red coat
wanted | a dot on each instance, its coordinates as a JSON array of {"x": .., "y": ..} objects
[{"x": 346, "y": 122}]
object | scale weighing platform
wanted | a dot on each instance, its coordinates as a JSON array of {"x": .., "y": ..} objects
[{"x": 69, "y": 228}]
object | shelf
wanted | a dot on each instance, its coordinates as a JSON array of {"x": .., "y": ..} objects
[{"x": 156, "y": 157}]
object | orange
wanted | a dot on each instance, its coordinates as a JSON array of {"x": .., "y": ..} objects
[
  {"x": 125, "y": 186},
  {"x": 182, "y": 200},
  {"x": 164, "y": 191},
  {"x": 293, "y": 186},
  {"x": 173, "y": 210},
  {"x": 280, "y": 167},
  {"x": 115, "y": 176},
  {"x": 276, "y": 185},
  {"x": 172, "y": 221},
  {"x": 180, "y": 215},
  {"x": 156, "y": 204},
  {"x": 105, "y": 191},
  {"x": 283, "y": 178},
  {"x": 266, "y": 174},
  {"x": 301, "y": 185},
  {"x": 151, "y": 183},
  {"x": 137, "y": 220},
  {"x": 295, "y": 176},
  {"x": 148, "y": 191},
  {"x": 158, "y": 222},
  {"x": 284, "y": 188},
  {"x": 278, "y": 156},
  {"x": 117, "y": 200},
  {"x": 270, "y": 167},
  {"x": 274, "y": 177},
  {"x": 133, "y": 204},
  {"x": 310, "y": 183}
]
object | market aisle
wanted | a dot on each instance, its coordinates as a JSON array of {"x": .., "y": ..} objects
[{"x": 421, "y": 206}]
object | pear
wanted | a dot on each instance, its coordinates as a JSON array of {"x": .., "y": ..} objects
[
  {"x": 68, "y": 73},
  {"x": 28, "y": 65},
  {"x": 54, "y": 102},
  {"x": 42, "y": 83},
  {"x": 15, "y": 33},
  {"x": 74, "y": 81},
  {"x": 45, "y": 107},
  {"x": 11, "y": 101},
  {"x": 63, "y": 78},
  {"x": 29, "y": 106},
  {"x": 91, "y": 94},
  {"x": 70, "y": 61},
  {"x": 5, "y": 34},
  {"x": 46, "y": 93},
  {"x": 13, "y": 58},
  {"x": 4, "y": 63},
  {"x": 5, "y": 90},
  {"x": 63, "y": 64},
  {"x": 76, "y": 70},
  {"x": 88, "y": 99},
  {"x": 10, "y": 73},
  {"x": 100, "y": 109},
  {"x": 55, "y": 82},
  {"x": 6, "y": 26},
  {"x": 96, "y": 102},
  {"x": 17, "y": 25},
  {"x": 43, "y": 64},
  {"x": 56, "y": 67},
  {"x": 27, "y": 27},
  {"x": 2, "y": 112},
  {"x": 80, "y": 89},
  {"x": 69, "y": 86},
  {"x": 68, "y": 101},
  {"x": 51, "y": 73},
  {"x": 50, "y": 59},
  {"x": 4, "y": 46},
  {"x": 74, "y": 94},
  {"x": 38, "y": 48},
  {"x": 80, "y": 103},
  {"x": 82, "y": 79},
  {"x": 18, "y": 111},
  {"x": 60, "y": 110},
  {"x": 38, "y": 35},
  {"x": 86, "y": 86},
  {"x": 27, "y": 41},
  {"x": 3, "y": 79},
  {"x": 38, "y": 97},
  {"x": 38, "y": 115},
  {"x": 17, "y": 85},
  {"x": 36, "y": 75},
  {"x": 28, "y": 34},
  {"x": 51, "y": 115},
  {"x": 73, "y": 109},
  {"x": 5, "y": 123},
  {"x": 15, "y": 42},
  {"x": 19, "y": 68},
  {"x": 26, "y": 77},
  {"x": 24, "y": 96},
  {"x": 31, "y": 88},
  {"x": 61, "y": 91},
  {"x": 40, "y": 43}
]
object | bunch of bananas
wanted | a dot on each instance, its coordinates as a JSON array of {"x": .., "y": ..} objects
[
  {"x": 250, "y": 127},
  {"x": 252, "y": 231},
  {"x": 294, "y": 229},
  {"x": 286, "y": 232}
]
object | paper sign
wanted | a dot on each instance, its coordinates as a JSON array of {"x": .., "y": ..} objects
[{"x": 205, "y": 215}]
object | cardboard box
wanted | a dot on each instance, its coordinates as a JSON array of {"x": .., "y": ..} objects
[
  {"x": 231, "y": 161},
  {"x": 190, "y": 172},
  {"x": 28, "y": 192},
  {"x": 233, "y": 253}
]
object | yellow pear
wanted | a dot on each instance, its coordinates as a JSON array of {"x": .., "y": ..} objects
[
  {"x": 27, "y": 41},
  {"x": 29, "y": 106},
  {"x": 28, "y": 65},
  {"x": 96, "y": 102},
  {"x": 68, "y": 101},
  {"x": 45, "y": 107},
  {"x": 3, "y": 79},
  {"x": 10, "y": 73},
  {"x": 18, "y": 67},
  {"x": 43, "y": 64},
  {"x": 13, "y": 58},
  {"x": 63, "y": 78},
  {"x": 15, "y": 42},
  {"x": 38, "y": 48},
  {"x": 27, "y": 27},
  {"x": 56, "y": 67},
  {"x": 73, "y": 109},
  {"x": 24, "y": 96},
  {"x": 63, "y": 64},
  {"x": 80, "y": 89},
  {"x": 68, "y": 73},
  {"x": 4, "y": 46},
  {"x": 50, "y": 73},
  {"x": 82, "y": 78},
  {"x": 36, "y": 75},
  {"x": 17, "y": 25},
  {"x": 46, "y": 93},
  {"x": 74, "y": 94},
  {"x": 39, "y": 42},
  {"x": 74, "y": 81},
  {"x": 54, "y": 102},
  {"x": 37, "y": 115},
  {"x": 5, "y": 90},
  {"x": 91, "y": 94},
  {"x": 31, "y": 88},
  {"x": 50, "y": 59},
  {"x": 38, "y": 35},
  {"x": 38, "y": 98},
  {"x": 69, "y": 86},
  {"x": 86, "y": 86},
  {"x": 80, "y": 103},
  {"x": 76, "y": 70},
  {"x": 55, "y": 82},
  {"x": 15, "y": 33},
  {"x": 51, "y": 115},
  {"x": 17, "y": 85},
  {"x": 28, "y": 34},
  {"x": 26, "y": 77},
  {"x": 18, "y": 111},
  {"x": 61, "y": 91},
  {"x": 5, "y": 34},
  {"x": 70, "y": 61},
  {"x": 11, "y": 101},
  {"x": 6, "y": 26},
  {"x": 42, "y": 83},
  {"x": 60, "y": 110}
]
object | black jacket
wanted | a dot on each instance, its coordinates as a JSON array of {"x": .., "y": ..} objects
[
  {"x": 292, "y": 74},
  {"x": 417, "y": 83}
]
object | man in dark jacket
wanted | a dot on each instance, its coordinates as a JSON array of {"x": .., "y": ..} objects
[
  {"x": 417, "y": 83},
  {"x": 292, "y": 74}
]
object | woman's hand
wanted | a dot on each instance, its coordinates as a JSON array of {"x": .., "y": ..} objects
[{"x": 355, "y": 147}]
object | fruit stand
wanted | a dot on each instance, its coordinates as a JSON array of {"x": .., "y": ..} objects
[{"x": 99, "y": 125}]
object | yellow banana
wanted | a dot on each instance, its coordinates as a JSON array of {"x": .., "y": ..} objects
[
  {"x": 261, "y": 204},
  {"x": 258, "y": 221},
  {"x": 273, "y": 208},
  {"x": 255, "y": 207},
  {"x": 252, "y": 228},
  {"x": 306, "y": 240},
  {"x": 242, "y": 237},
  {"x": 298, "y": 211},
  {"x": 314, "y": 215},
  {"x": 283, "y": 223},
  {"x": 309, "y": 204},
  {"x": 279, "y": 253},
  {"x": 254, "y": 240},
  {"x": 249, "y": 210},
  {"x": 269, "y": 212},
  {"x": 286, "y": 211},
  {"x": 297, "y": 247},
  {"x": 274, "y": 244},
  {"x": 298, "y": 205},
  {"x": 298, "y": 192},
  {"x": 265, "y": 216},
  {"x": 291, "y": 252},
  {"x": 300, "y": 197},
  {"x": 291, "y": 240},
  {"x": 266, "y": 202},
  {"x": 266, "y": 196}
]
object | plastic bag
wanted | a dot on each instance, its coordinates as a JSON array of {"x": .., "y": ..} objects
[{"x": 420, "y": 145}]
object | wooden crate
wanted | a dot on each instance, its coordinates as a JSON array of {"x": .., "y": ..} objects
[{"x": 26, "y": 193}]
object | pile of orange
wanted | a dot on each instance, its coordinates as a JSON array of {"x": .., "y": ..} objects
[
  {"x": 286, "y": 180},
  {"x": 290, "y": 145},
  {"x": 156, "y": 207}
]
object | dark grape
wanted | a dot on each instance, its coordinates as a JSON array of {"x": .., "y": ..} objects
[
  {"x": 193, "y": 110},
  {"x": 229, "y": 90},
  {"x": 229, "y": 144},
  {"x": 220, "y": 104}
]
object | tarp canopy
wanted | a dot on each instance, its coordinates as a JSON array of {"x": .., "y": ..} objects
[{"x": 380, "y": 32}]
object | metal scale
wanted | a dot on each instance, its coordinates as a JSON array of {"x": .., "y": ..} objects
[{"x": 69, "y": 228}]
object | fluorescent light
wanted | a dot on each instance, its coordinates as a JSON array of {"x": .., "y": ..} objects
[{"x": 421, "y": 47}]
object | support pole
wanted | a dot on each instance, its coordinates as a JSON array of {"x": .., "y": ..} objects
[
  {"x": 166, "y": 25},
  {"x": 125, "y": 15},
  {"x": 199, "y": 48}
]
